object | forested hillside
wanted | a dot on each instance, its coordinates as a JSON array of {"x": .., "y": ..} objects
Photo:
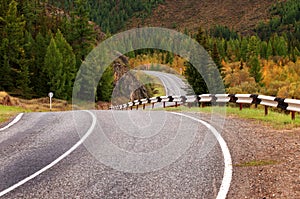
[
  {"x": 112, "y": 15},
  {"x": 42, "y": 47},
  {"x": 266, "y": 62},
  {"x": 43, "y": 43}
]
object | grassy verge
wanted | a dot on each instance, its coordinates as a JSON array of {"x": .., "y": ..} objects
[
  {"x": 275, "y": 119},
  {"x": 255, "y": 163},
  {"x": 153, "y": 84},
  {"x": 7, "y": 112}
]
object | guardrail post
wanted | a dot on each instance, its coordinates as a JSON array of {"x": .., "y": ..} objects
[
  {"x": 293, "y": 106},
  {"x": 176, "y": 104},
  {"x": 164, "y": 104},
  {"x": 153, "y": 105},
  {"x": 144, "y": 106},
  {"x": 293, "y": 113},
  {"x": 241, "y": 106},
  {"x": 266, "y": 110},
  {"x": 256, "y": 100},
  {"x": 137, "y": 107}
]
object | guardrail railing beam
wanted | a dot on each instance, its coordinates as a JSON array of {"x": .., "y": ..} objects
[{"x": 291, "y": 105}]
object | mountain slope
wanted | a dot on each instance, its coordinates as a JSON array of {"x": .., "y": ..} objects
[{"x": 242, "y": 15}]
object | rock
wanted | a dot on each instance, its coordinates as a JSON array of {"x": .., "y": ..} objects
[{"x": 127, "y": 87}]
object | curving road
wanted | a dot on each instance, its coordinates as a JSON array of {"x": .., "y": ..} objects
[
  {"x": 173, "y": 84},
  {"x": 40, "y": 138}
]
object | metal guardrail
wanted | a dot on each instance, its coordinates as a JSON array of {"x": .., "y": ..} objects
[{"x": 291, "y": 105}]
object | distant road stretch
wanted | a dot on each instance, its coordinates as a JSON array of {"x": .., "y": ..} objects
[{"x": 173, "y": 84}]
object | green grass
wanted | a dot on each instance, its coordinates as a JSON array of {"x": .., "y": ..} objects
[
  {"x": 159, "y": 90},
  {"x": 153, "y": 84},
  {"x": 7, "y": 112},
  {"x": 274, "y": 119},
  {"x": 255, "y": 163}
]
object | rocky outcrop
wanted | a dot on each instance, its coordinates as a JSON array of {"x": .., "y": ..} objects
[{"x": 127, "y": 87}]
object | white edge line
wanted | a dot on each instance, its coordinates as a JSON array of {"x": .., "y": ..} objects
[
  {"x": 19, "y": 116},
  {"x": 227, "y": 176},
  {"x": 90, "y": 130}
]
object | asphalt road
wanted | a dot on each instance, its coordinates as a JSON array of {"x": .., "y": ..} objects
[
  {"x": 185, "y": 168},
  {"x": 173, "y": 84}
]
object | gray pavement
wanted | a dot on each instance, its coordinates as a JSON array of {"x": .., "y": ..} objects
[
  {"x": 39, "y": 138},
  {"x": 173, "y": 84}
]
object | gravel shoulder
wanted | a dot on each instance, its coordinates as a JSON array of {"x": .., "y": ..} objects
[{"x": 278, "y": 152}]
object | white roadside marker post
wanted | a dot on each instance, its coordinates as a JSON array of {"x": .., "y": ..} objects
[{"x": 50, "y": 96}]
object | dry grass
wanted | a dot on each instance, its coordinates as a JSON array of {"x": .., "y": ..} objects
[
  {"x": 42, "y": 104},
  {"x": 12, "y": 100},
  {"x": 36, "y": 105}
]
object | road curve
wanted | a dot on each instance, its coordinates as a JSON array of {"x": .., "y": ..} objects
[
  {"x": 40, "y": 138},
  {"x": 173, "y": 84}
]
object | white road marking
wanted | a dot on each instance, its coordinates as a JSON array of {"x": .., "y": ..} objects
[
  {"x": 13, "y": 122},
  {"x": 90, "y": 130},
  {"x": 227, "y": 157}
]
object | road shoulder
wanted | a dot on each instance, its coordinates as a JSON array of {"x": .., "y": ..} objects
[{"x": 266, "y": 161}]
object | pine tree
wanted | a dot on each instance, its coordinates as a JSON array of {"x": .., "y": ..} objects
[
  {"x": 23, "y": 81},
  {"x": 253, "y": 47},
  {"x": 13, "y": 41},
  {"x": 68, "y": 62},
  {"x": 244, "y": 49},
  {"x": 105, "y": 87},
  {"x": 195, "y": 79},
  {"x": 255, "y": 69},
  {"x": 53, "y": 68},
  {"x": 85, "y": 86},
  {"x": 26, "y": 60},
  {"x": 169, "y": 58},
  {"x": 39, "y": 80},
  {"x": 83, "y": 36},
  {"x": 216, "y": 57},
  {"x": 281, "y": 47},
  {"x": 269, "y": 50},
  {"x": 201, "y": 38},
  {"x": 193, "y": 76},
  {"x": 263, "y": 50},
  {"x": 6, "y": 83}
]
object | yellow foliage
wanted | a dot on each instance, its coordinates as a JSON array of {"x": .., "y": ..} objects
[
  {"x": 282, "y": 81},
  {"x": 157, "y": 58}
]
